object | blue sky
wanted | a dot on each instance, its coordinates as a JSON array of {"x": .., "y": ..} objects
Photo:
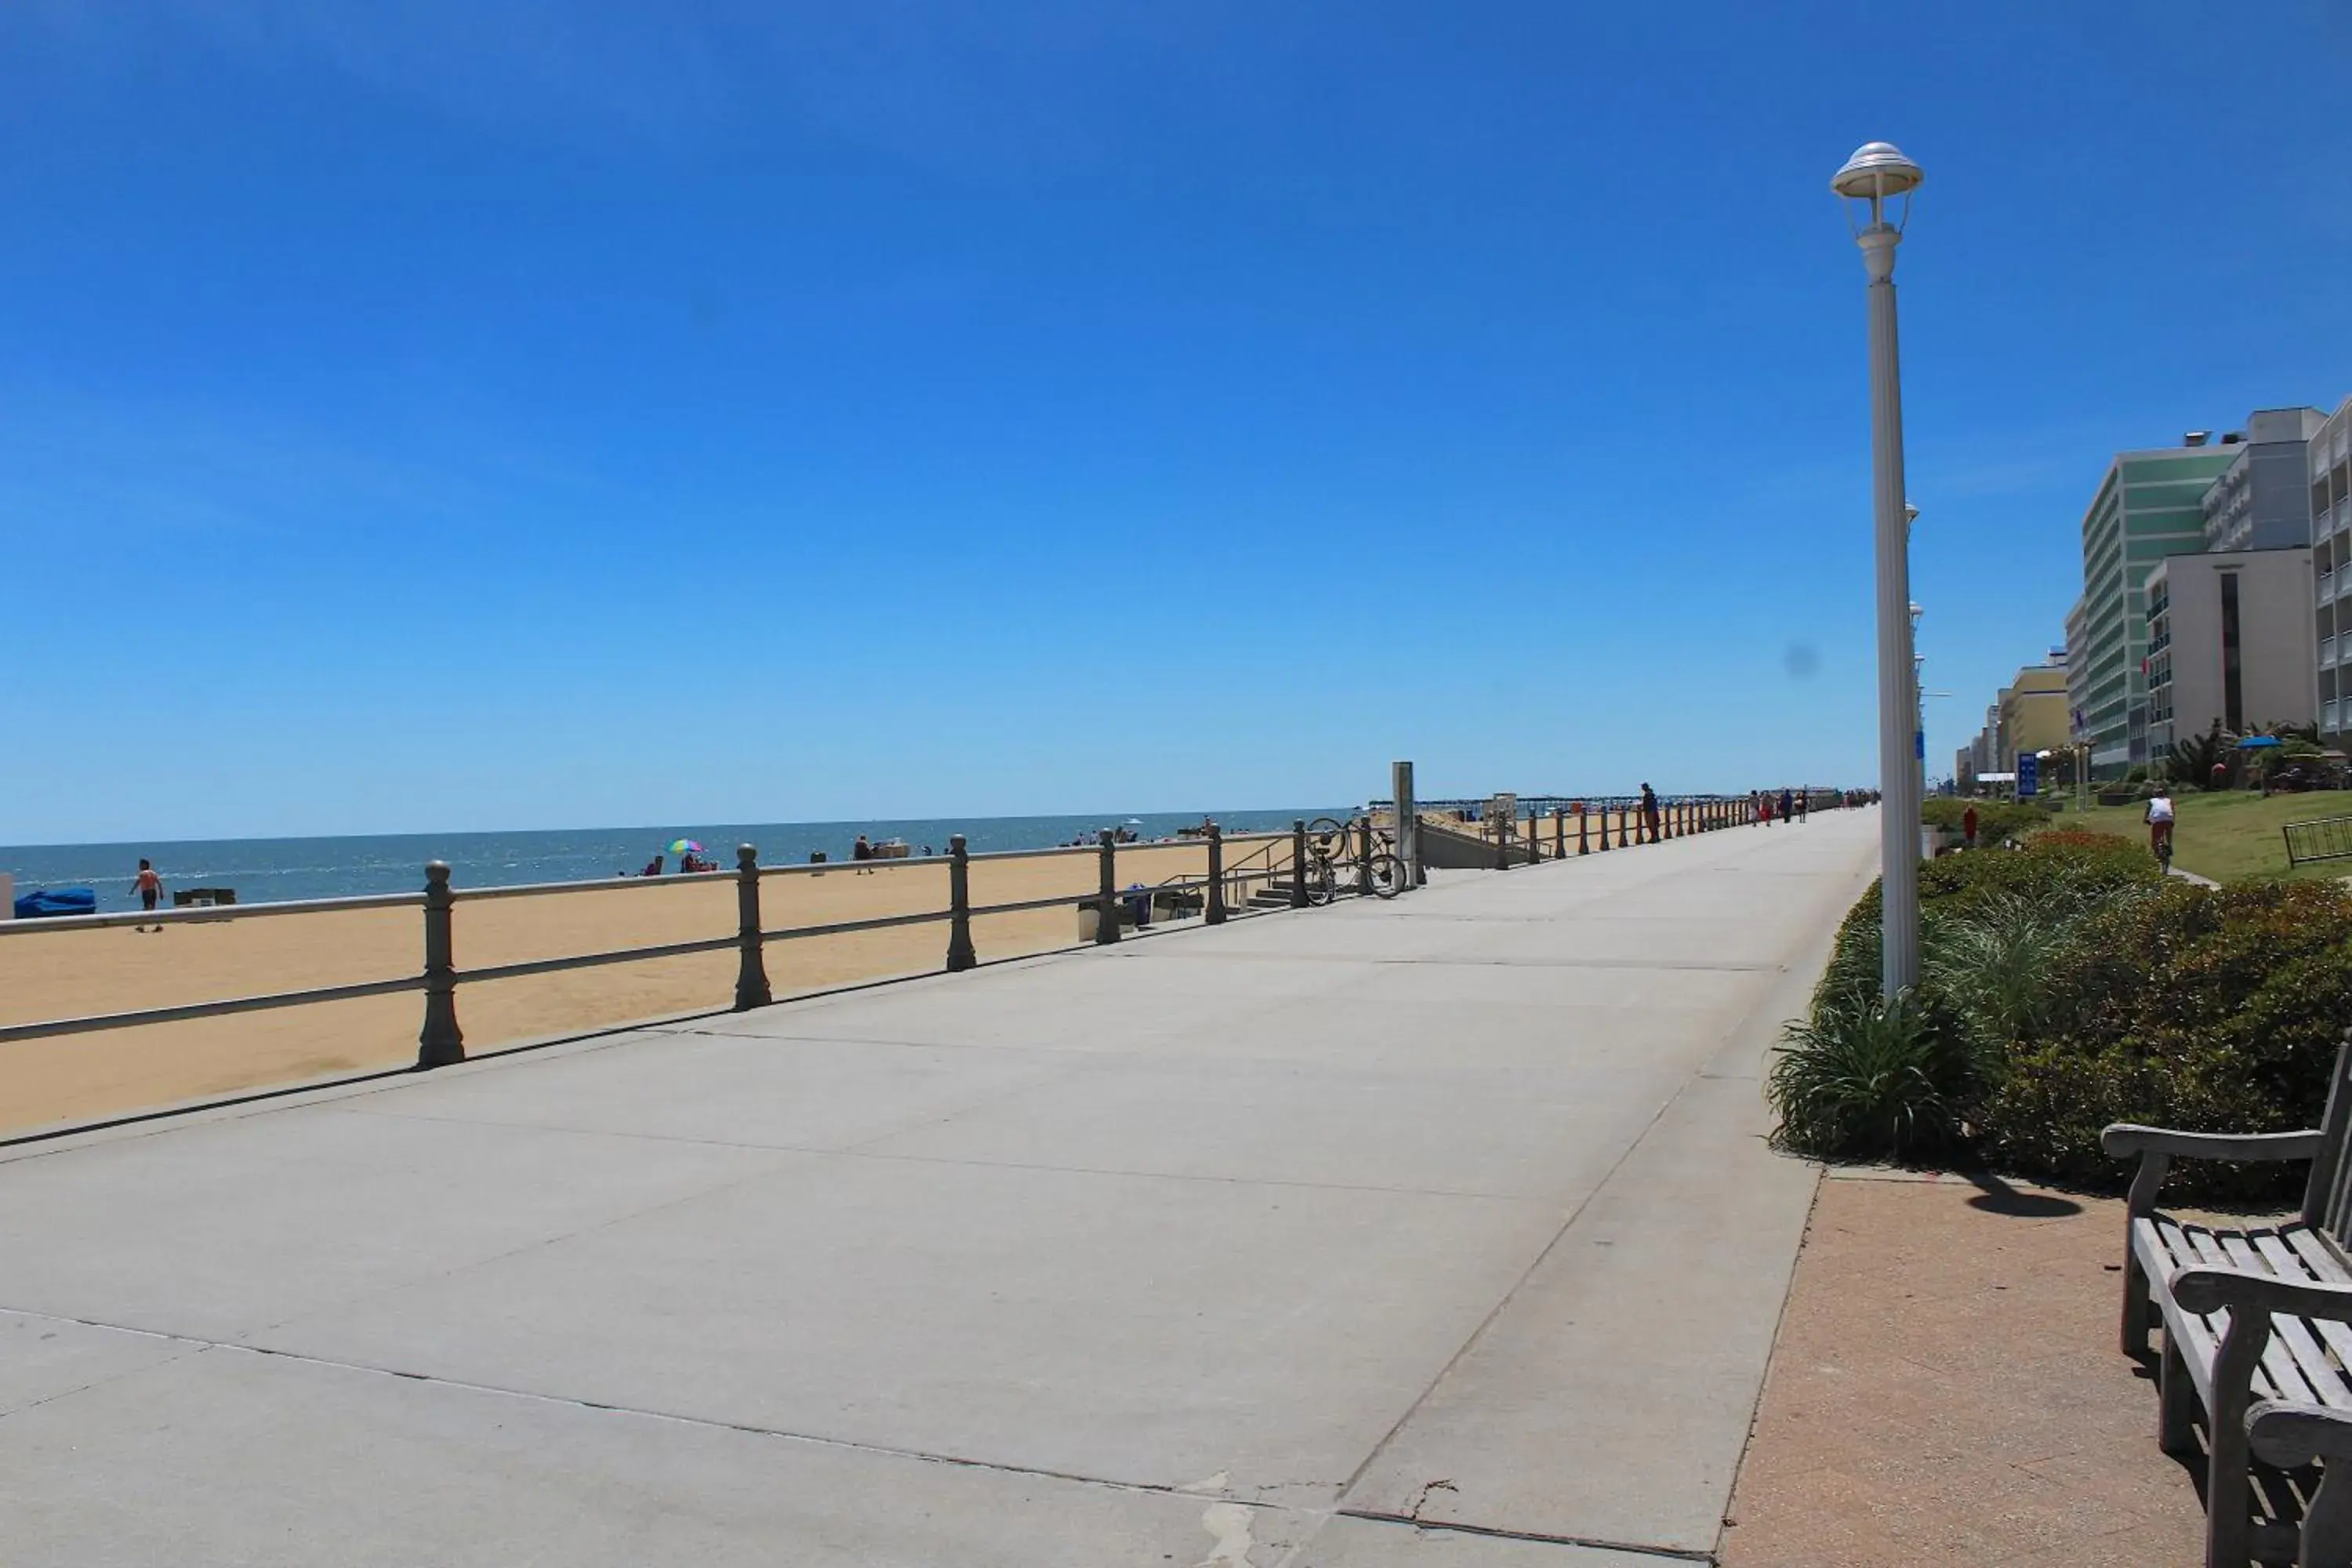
[{"x": 470, "y": 414}]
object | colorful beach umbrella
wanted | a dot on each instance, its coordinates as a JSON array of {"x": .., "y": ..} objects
[{"x": 683, "y": 845}]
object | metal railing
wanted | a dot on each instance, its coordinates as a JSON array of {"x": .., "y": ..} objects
[
  {"x": 2321, "y": 838},
  {"x": 1604, "y": 822},
  {"x": 441, "y": 1041}
]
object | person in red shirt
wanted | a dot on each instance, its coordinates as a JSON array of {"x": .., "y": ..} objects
[{"x": 1969, "y": 826}]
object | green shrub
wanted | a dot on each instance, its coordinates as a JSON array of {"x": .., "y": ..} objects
[{"x": 1862, "y": 1078}]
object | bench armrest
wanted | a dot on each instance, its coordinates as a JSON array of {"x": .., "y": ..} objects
[
  {"x": 2128, "y": 1137},
  {"x": 2156, "y": 1146},
  {"x": 2204, "y": 1289},
  {"x": 2293, "y": 1435}
]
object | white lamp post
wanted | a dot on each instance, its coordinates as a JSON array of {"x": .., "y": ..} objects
[{"x": 1873, "y": 177}]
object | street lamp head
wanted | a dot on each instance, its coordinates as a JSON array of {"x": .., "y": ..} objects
[
  {"x": 1910, "y": 515},
  {"x": 1875, "y": 174}
]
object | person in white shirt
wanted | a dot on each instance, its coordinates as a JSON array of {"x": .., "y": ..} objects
[{"x": 2159, "y": 824}]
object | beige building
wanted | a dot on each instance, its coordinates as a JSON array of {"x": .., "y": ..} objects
[
  {"x": 2230, "y": 638},
  {"x": 2032, "y": 714}
]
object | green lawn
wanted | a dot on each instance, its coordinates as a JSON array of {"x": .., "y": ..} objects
[{"x": 2232, "y": 836}]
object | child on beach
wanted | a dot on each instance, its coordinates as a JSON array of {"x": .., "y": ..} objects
[{"x": 149, "y": 888}]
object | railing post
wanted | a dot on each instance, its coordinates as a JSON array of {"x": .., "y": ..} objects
[
  {"x": 961, "y": 955},
  {"x": 1559, "y": 835},
  {"x": 1364, "y": 857},
  {"x": 1605, "y": 827},
  {"x": 1107, "y": 917},
  {"x": 1624, "y": 821},
  {"x": 440, "y": 1042},
  {"x": 1215, "y": 911},
  {"x": 1583, "y": 827},
  {"x": 1535, "y": 838},
  {"x": 1298, "y": 863},
  {"x": 752, "y": 974}
]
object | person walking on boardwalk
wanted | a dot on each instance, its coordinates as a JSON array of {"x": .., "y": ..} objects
[
  {"x": 1788, "y": 804},
  {"x": 149, "y": 888},
  {"x": 1649, "y": 811},
  {"x": 1763, "y": 808}
]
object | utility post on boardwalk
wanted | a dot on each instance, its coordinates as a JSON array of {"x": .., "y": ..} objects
[
  {"x": 1877, "y": 175},
  {"x": 1408, "y": 823}
]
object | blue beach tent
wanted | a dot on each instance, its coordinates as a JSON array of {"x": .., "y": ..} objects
[{"x": 40, "y": 903}]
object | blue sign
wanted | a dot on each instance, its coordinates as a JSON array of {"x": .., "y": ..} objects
[
  {"x": 2029, "y": 773},
  {"x": 1920, "y": 744}
]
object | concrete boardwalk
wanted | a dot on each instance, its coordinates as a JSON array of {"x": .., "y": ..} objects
[{"x": 1245, "y": 1246}]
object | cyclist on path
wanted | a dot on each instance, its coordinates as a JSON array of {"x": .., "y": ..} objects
[{"x": 2159, "y": 827}]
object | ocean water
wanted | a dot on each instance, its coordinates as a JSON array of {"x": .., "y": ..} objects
[{"x": 269, "y": 870}]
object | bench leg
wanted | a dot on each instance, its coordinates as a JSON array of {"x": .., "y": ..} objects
[
  {"x": 2135, "y": 1305},
  {"x": 2229, "y": 1498},
  {"x": 2176, "y": 1404},
  {"x": 2327, "y": 1522}
]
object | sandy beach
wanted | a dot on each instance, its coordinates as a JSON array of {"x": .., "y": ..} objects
[{"x": 74, "y": 973}]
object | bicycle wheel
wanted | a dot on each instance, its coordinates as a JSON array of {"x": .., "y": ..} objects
[
  {"x": 1388, "y": 876},
  {"x": 1322, "y": 887},
  {"x": 1327, "y": 837}
]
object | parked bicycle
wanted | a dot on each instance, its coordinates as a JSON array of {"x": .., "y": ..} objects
[{"x": 1337, "y": 863}]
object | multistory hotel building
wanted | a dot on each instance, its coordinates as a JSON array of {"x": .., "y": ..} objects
[{"x": 2149, "y": 505}]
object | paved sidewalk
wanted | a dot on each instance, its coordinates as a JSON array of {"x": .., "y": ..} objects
[
  {"x": 1948, "y": 1390},
  {"x": 1276, "y": 1243}
]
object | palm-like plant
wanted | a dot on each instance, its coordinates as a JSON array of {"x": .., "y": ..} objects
[{"x": 2191, "y": 762}]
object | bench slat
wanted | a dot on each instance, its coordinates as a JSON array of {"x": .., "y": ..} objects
[
  {"x": 2278, "y": 1355},
  {"x": 2292, "y": 1334},
  {"x": 2325, "y": 1372},
  {"x": 2277, "y": 1377},
  {"x": 2317, "y": 1255}
]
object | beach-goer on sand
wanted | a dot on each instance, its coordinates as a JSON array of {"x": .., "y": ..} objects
[
  {"x": 149, "y": 888},
  {"x": 861, "y": 852},
  {"x": 653, "y": 867}
]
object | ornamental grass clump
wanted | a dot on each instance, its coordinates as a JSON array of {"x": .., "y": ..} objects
[{"x": 1864, "y": 1078}]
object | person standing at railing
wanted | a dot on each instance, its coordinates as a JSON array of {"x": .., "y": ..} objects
[
  {"x": 149, "y": 889},
  {"x": 1649, "y": 811}
]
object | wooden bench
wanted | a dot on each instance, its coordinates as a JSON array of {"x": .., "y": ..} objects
[{"x": 2257, "y": 1331}]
